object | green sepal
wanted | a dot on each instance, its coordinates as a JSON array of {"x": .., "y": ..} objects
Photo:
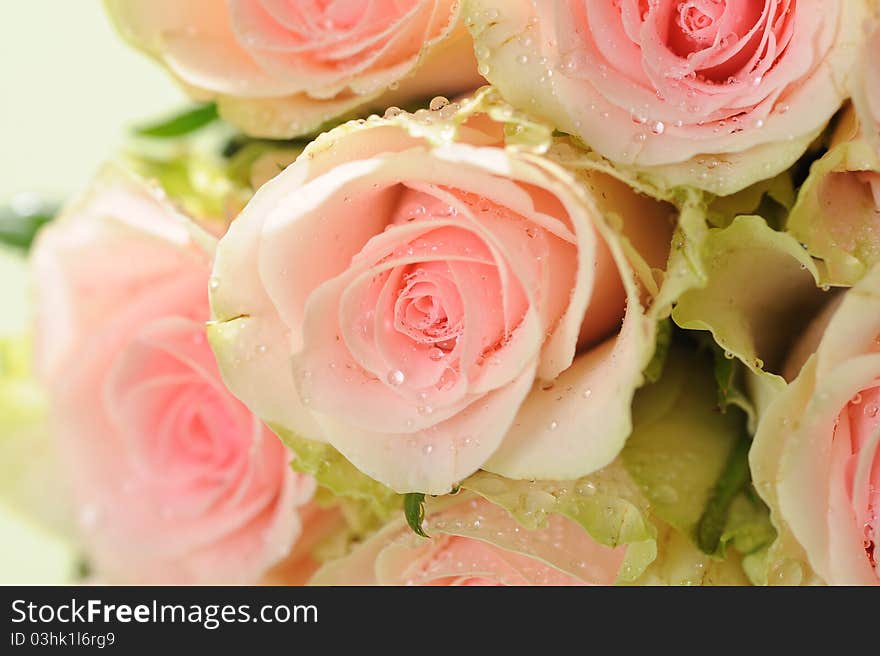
[{"x": 414, "y": 511}]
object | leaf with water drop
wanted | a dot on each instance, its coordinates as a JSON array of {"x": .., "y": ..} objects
[{"x": 607, "y": 504}]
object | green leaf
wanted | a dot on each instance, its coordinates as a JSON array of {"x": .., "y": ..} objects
[
  {"x": 19, "y": 229},
  {"x": 414, "y": 511},
  {"x": 733, "y": 479},
  {"x": 181, "y": 124}
]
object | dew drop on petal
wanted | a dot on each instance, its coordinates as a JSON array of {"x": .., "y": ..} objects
[
  {"x": 396, "y": 377},
  {"x": 438, "y": 103}
]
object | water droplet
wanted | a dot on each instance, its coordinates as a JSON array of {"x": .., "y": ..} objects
[
  {"x": 554, "y": 425},
  {"x": 522, "y": 59},
  {"x": 438, "y": 103},
  {"x": 214, "y": 284},
  {"x": 396, "y": 377},
  {"x": 587, "y": 393},
  {"x": 729, "y": 355},
  {"x": 428, "y": 449},
  {"x": 436, "y": 354},
  {"x": 658, "y": 127},
  {"x": 586, "y": 489},
  {"x": 856, "y": 399},
  {"x": 425, "y": 410}
]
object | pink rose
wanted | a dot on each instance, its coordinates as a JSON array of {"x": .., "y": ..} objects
[
  {"x": 816, "y": 453},
  {"x": 280, "y": 69},
  {"x": 714, "y": 93},
  {"x": 477, "y": 543},
  {"x": 430, "y": 303},
  {"x": 175, "y": 480}
]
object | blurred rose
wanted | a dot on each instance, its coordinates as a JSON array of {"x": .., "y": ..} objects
[
  {"x": 320, "y": 526},
  {"x": 448, "y": 304},
  {"x": 175, "y": 480},
  {"x": 816, "y": 455},
  {"x": 477, "y": 543},
  {"x": 747, "y": 85},
  {"x": 280, "y": 69}
]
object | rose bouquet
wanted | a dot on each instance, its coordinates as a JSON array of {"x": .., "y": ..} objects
[{"x": 469, "y": 292}]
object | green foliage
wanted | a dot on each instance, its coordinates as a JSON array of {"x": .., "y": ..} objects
[{"x": 180, "y": 124}]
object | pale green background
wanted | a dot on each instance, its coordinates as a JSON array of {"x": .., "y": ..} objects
[{"x": 68, "y": 89}]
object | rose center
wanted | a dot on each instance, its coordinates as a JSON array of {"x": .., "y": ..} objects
[
  {"x": 428, "y": 309},
  {"x": 698, "y": 19}
]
